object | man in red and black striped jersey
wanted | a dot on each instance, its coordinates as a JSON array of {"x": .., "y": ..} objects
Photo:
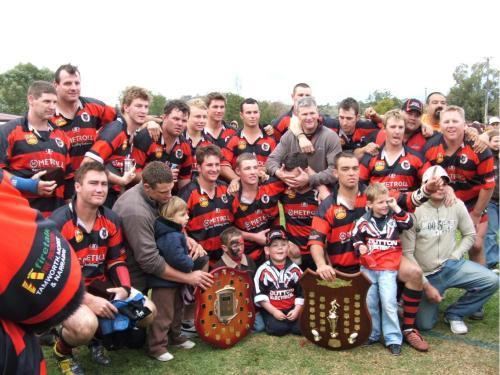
[
  {"x": 32, "y": 144},
  {"x": 299, "y": 207},
  {"x": 114, "y": 142},
  {"x": 172, "y": 148},
  {"x": 250, "y": 139},
  {"x": 471, "y": 174},
  {"x": 40, "y": 282},
  {"x": 94, "y": 232},
  {"x": 216, "y": 131},
  {"x": 80, "y": 117},
  {"x": 396, "y": 166},
  {"x": 330, "y": 240},
  {"x": 208, "y": 203},
  {"x": 255, "y": 205}
]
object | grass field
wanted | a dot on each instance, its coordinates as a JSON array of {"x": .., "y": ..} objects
[{"x": 474, "y": 353}]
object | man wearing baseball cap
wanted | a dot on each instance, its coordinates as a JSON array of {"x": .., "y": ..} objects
[
  {"x": 414, "y": 138},
  {"x": 431, "y": 243}
]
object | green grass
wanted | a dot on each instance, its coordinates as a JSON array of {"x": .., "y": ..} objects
[{"x": 474, "y": 353}]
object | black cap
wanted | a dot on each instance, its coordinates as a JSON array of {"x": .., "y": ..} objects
[
  {"x": 276, "y": 233},
  {"x": 413, "y": 105}
]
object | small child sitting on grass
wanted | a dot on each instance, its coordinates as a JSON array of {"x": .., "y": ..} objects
[
  {"x": 376, "y": 240},
  {"x": 277, "y": 287},
  {"x": 166, "y": 295}
]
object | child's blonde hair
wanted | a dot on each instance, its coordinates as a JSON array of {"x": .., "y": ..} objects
[
  {"x": 374, "y": 191},
  {"x": 174, "y": 205}
]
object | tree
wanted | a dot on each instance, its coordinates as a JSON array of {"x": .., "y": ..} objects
[
  {"x": 157, "y": 104},
  {"x": 383, "y": 101},
  {"x": 233, "y": 102},
  {"x": 14, "y": 85},
  {"x": 471, "y": 85}
]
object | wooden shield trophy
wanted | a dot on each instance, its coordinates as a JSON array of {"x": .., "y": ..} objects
[
  {"x": 335, "y": 314},
  {"x": 225, "y": 312}
]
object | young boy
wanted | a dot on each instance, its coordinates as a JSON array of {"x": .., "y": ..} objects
[
  {"x": 277, "y": 287},
  {"x": 171, "y": 241},
  {"x": 376, "y": 240}
]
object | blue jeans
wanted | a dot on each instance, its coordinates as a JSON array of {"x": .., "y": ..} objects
[
  {"x": 478, "y": 281},
  {"x": 491, "y": 247},
  {"x": 382, "y": 293}
]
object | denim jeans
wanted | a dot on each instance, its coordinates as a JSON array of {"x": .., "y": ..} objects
[
  {"x": 478, "y": 281},
  {"x": 491, "y": 247},
  {"x": 382, "y": 294}
]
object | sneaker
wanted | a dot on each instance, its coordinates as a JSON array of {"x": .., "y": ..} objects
[
  {"x": 68, "y": 365},
  {"x": 188, "y": 329},
  {"x": 165, "y": 357},
  {"x": 99, "y": 355},
  {"x": 458, "y": 327},
  {"x": 478, "y": 315},
  {"x": 371, "y": 342},
  {"x": 415, "y": 340},
  {"x": 395, "y": 349},
  {"x": 188, "y": 344},
  {"x": 496, "y": 271}
]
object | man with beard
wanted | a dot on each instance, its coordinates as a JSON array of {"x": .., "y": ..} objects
[
  {"x": 171, "y": 148},
  {"x": 435, "y": 103}
]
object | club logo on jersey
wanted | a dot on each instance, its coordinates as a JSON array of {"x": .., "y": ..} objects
[
  {"x": 203, "y": 201},
  {"x": 85, "y": 116},
  {"x": 439, "y": 158},
  {"x": 463, "y": 159},
  {"x": 61, "y": 121},
  {"x": 78, "y": 235},
  {"x": 124, "y": 144},
  {"x": 291, "y": 193},
  {"x": 31, "y": 139},
  {"x": 179, "y": 154},
  {"x": 224, "y": 198},
  {"x": 265, "y": 199},
  {"x": 76, "y": 129},
  {"x": 103, "y": 233},
  {"x": 379, "y": 165},
  {"x": 242, "y": 145},
  {"x": 59, "y": 142},
  {"x": 340, "y": 213},
  {"x": 158, "y": 152},
  {"x": 405, "y": 165},
  {"x": 265, "y": 147},
  {"x": 243, "y": 207}
]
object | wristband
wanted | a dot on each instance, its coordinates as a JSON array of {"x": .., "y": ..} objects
[{"x": 25, "y": 184}]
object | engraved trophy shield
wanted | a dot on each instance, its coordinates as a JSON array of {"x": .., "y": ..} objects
[
  {"x": 335, "y": 314},
  {"x": 225, "y": 312}
]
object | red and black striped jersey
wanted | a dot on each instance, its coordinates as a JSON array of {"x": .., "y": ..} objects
[
  {"x": 203, "y": 142},
  {"x": 382, "y": 238},
  {"x": 25, "y": 151},
  {"x": 100, "y": 251},
  {"x": 403, "y": 175},
  {"x": 238, "y": 144},
  {"x": 40, "y": 278},
  {"x": 279, "y": 285},
  {"x": 258, "y": 215},
  {"x": 90, "y": 116},
  {"x": 469, "y": 172},
  {"x": 222, "y": 138},
  {"x": 146, "y": 150},
  {"x": 334, "y": 221},
  {"x": 112, "y": 146},
  {"x": 208, "y": 216},
  {"x": 363, "y": 133},
  {"x": 299, "y": 209}
]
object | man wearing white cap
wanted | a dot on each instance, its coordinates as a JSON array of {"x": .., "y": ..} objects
[{"x": 432, "y": 244}]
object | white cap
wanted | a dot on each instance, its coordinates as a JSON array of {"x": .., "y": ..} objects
[
  {"x": 493, "y": 120},
  {"x": 435, "y": 170}
]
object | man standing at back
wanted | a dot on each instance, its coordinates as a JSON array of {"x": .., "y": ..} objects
[{"x": 80, "y": 117}]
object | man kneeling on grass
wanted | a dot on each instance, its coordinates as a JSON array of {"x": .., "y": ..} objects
[
  {"x": 277, "y": 287},
  {"x": 432, "y": 244}
]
